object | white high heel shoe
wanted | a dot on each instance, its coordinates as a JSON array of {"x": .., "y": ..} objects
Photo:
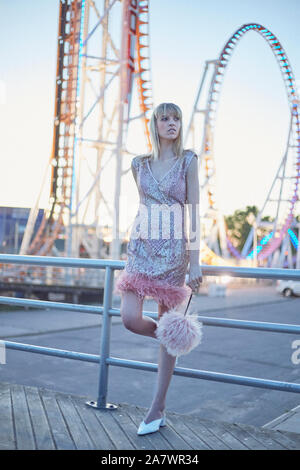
[{"x": 153, "y": 426}]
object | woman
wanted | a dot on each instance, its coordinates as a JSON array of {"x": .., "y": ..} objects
[{"x": 155, "y": 266}]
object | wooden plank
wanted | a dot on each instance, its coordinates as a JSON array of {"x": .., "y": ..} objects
[
  {"x": 262, "y": 436},
  {"x": 267, "y": 440},
  {"x": 293, "y": 439},
  {"x": 288, "y": 441},
  {"x": 129, "y": 428},
  {"x": 6, "y": 446},
  {"x": 178, "y": 424},
  {"x": 61, "y": 436},
  {"x": 156, "y": 438},
  {"x": 135, "y": 418},
  {"x": 24, "y": 432},
  {"x": 251, "y": 442},
  {"x": 174, "y": 437},
  {"x": 258, "y": 433},
  {"x": 112, "y": 428},
  {"x": 75, "y": 425},
  {"x": 169, "y": 433},
  {"x": 44, "y": 419},
  {"x": 284, "y": 441},
  {"x": 7, "y": 437},
  {"x": 205, "y": 434},
  {"x": 222, "y": 430},
  {"x": 39, "y": 420},
  {"x": 96, "y": 431}
]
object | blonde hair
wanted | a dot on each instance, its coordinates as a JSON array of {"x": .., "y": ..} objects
[{"x": 162, "y": 109}]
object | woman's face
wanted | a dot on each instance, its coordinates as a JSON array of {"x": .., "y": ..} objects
[{"x": 168, "y": 126}]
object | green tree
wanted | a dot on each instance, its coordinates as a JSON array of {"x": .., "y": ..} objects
[{"x": 239, "y": 226}]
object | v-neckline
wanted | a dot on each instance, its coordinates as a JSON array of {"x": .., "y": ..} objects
[{"x": 159, "y": 182}]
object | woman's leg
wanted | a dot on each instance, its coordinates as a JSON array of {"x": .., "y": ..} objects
[
  {"x": 132, "y": 315},
  {"x": 166, "y": 365}
]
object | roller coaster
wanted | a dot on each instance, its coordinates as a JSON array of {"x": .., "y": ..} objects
[
  {"x": 95, "y": 116},
  {"x": 280, "y": 232}
]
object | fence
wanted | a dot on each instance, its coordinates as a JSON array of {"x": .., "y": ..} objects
[{"x": 105, "y": 360}]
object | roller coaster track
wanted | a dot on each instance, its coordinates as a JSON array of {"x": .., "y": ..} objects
[
  {"x": 273, "y": 241},
  {"x": 70, "y": 38},
  {"x": 61, "y": 160},
  {"x": 144, "y": 83}
]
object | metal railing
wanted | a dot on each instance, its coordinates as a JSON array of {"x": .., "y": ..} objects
[{"x": 105, "y": 360}]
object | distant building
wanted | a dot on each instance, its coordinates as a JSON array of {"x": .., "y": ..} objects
[{"x": 13, "y": 222}]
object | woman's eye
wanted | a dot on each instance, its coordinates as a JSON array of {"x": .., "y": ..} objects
[{"x": 165, "y": 118}]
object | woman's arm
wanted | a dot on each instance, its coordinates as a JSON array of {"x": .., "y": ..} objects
[
  {"x": 195, "y": 273},
  {"x": 133, "y": 169}
]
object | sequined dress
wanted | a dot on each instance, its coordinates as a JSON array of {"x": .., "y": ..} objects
[{"x": 157, "y": 254}]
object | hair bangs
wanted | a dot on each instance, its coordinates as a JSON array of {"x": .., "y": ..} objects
[{"x": 165, "y": 109}]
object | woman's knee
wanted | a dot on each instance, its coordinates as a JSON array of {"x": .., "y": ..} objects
[
  {"x": 130, "y": 311},
  {"x": 129, "y": 321}
]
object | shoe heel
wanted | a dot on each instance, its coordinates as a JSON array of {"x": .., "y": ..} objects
[{"x": 163, "y": 422}]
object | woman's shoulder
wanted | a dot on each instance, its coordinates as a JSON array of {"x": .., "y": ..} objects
[
  {"x": 189, "y": 152},
  {"x": 143, "y": 156},
  {"x": 188, "y": 155},
  {"x": 139, "y": 159}
]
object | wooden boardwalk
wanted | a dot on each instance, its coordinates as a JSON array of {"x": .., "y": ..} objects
[{"x": 34, "y": 418}]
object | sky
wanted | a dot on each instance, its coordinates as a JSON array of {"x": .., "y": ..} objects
[{"x": 253, "y": 113}]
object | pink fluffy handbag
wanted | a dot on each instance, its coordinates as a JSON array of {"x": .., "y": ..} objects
[{"x": 179, "y": 333}]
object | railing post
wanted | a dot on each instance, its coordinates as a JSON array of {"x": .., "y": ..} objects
[{"x": 105, "y": 344}]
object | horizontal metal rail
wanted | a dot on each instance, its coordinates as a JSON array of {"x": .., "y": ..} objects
[
  {"x": 233, "y": 271},
  {"x": 79, "y": 356},
  {"x": 207, "y": 321},
  {"x": 250, "y": 325},
  {"x": 214, "y": 376},
  {"x": 184, "y": 372},
  {"x": 105, "y": 360},
  {"x": 51, "y": 305}
]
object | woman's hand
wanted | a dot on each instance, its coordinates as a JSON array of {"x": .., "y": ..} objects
[{"x": 194, "y": 277}]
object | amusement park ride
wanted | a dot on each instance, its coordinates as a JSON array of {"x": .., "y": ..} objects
[{"x": 97, "y": 64}]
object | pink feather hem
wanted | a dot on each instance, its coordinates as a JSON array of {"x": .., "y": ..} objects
[{"x": 160, "y": 290}]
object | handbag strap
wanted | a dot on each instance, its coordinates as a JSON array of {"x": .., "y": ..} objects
[{"x": 188, "y": 303}]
